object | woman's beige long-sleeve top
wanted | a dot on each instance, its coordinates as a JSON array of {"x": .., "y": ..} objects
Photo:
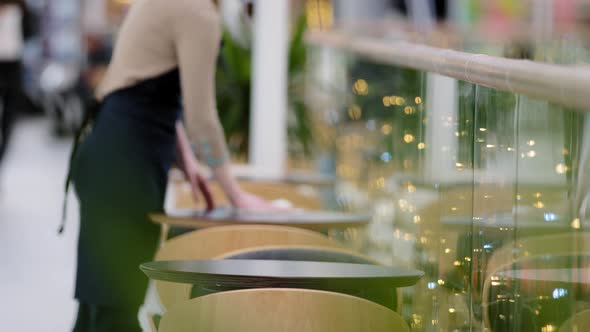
[{"x": 160, "y": 35}]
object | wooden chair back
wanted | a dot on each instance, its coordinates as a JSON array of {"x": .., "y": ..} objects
[
  {"x": 579, "y": 322},
  {"x": 309, "y": 253},
  {"x": 285, "y": 310},
  {"x": 213, "y": 242},
  {"x": 529, "y": 248}
]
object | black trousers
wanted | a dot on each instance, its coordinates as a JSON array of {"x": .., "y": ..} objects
[
  {"x": 94, "y": 318},
  {"x": 10, "y": 92}
]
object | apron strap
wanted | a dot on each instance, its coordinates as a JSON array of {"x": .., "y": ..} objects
[{"x": 81, "y": 134}]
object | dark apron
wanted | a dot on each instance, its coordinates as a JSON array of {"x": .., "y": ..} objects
[{"x": 120, "y": 173}]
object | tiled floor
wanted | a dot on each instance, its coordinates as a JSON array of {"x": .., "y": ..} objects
[{"x": 36, "y": 265}]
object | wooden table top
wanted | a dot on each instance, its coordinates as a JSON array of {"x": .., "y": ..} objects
[
  {"x": 243, "y": 273},
  {"x": 312, "y": 220}
]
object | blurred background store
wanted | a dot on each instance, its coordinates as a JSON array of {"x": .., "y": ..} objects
[{"x": 484, "y": 188}]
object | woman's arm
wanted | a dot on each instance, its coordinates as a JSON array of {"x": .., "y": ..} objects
[
  {"x": 190, "y": 167},
  {"x": 196, "y": 39},
  {"x": 197, "y": 33}
]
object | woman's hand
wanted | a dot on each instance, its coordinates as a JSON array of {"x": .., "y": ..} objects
[
  {"x": 190, "y": 167},
  {"x": 246, "y": 201},
  {"x": 199, "y": 185},
  {"x": 239, "y": 198}
]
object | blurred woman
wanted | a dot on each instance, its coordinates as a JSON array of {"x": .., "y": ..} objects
[
  {"x": 165, "y": 50},
  {"x": 15, "y": 28}
]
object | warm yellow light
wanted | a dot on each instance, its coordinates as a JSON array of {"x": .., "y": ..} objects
[
  {"x": 452, "y": 310},
  {"x": 441, "y": 282},
  {"x": 530, "y": 143},
  {"x": 416, "y": 322},
  {"x": 490, "y": 146},
  {"x": 418, "y": 100},
  {"x": 411, "y": 188},
  {"x": 355, "y": 112},
  {"x": 380, "y": 183},
  {"x": 403, "y": 204},
  {"x": 421, "y": 146},
  {"x": 408, "y": 138},
  {"x": 400, "y": 101},
  {"x": 538, "y": 195},
  {"x": 386, "y": 129},
  {"x": 417, "y": 219},
  {"x": 447, "y": 251},
  {"x": 576, "y": 224},
  {"x": 386, "y": 102},
  {"x": 539, "y": 205},
  {"x": 531, "y": 154},
  {"x": 361, "y": 87},
  {"x": 482, "y": 129},
  {"x": 410, "y": 110},
  {"x": 561, "y": 168}
]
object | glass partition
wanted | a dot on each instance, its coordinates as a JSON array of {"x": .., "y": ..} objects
[{"x": 485, "y": 191}]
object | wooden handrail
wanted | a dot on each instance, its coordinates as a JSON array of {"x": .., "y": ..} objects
[{"x": 560, "y": 84}]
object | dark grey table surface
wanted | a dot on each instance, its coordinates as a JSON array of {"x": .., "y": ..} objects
[{"x": 241, "y": 274}]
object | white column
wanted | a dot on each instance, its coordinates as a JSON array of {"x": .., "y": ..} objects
[
  {"x": 441, "y": 142},
  {"x": 268, "y": 119}
]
